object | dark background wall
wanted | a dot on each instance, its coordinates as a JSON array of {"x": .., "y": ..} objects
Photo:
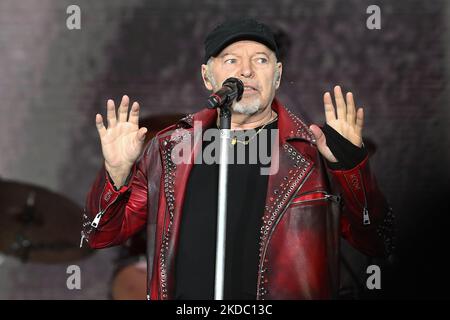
[{"x": 53, "y": 81}]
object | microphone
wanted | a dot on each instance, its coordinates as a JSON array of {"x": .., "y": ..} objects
[{"x": 232, "y": 88}]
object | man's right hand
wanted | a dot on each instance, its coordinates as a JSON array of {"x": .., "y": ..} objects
[{"x": 122, "y": 141}]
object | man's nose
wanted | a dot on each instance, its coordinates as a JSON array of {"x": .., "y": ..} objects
[{"x": 246, "y": 69}]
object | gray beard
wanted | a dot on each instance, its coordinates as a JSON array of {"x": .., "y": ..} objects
[{"x": 248, "y": 108}]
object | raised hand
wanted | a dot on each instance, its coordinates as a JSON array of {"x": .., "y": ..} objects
[
  {"x": 122, "y": 141},
  {"x": 348, "y": 122}
]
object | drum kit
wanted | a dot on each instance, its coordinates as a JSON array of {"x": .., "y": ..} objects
[{"x": 38, "y": 225}]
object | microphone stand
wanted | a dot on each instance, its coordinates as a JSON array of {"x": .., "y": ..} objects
[
  {"x": 225, "y": 136},
  {"x": 232, "y": 89}
]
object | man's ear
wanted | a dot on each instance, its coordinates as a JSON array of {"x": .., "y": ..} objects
[
  {"x": 280, "y": 71},
  {"x": 206, "y": 80}
]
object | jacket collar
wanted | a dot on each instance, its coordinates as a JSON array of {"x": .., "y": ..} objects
[{"x": 290, "y": 126}]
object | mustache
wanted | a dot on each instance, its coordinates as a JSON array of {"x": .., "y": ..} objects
[
  {"x": 251, "y": 85},
  {"x": 254, "y": 86}
]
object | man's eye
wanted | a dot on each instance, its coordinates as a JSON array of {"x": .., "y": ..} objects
[
  {"x": 262, "y": 60},
  {"x": 230, "y": 61}
]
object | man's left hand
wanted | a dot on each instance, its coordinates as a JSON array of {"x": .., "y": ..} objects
[{"x": 348, "y": 123}]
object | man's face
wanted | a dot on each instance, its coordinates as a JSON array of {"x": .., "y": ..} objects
[{"x": 254, "y": 64}]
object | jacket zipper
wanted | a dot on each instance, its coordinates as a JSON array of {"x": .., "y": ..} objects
[
  {"x": 326, "y": 196},
  {"x": 95, "y": 222},
  {"x": 366, "y": 218},
  {"x": 98, "y": 216},
  {"x": 100, "y": 213}
]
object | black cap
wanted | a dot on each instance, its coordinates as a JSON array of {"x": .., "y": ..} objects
[{"x": 235, "y": 30}]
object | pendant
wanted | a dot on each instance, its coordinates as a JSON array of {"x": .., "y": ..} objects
[{"x": 234, "y": 141}]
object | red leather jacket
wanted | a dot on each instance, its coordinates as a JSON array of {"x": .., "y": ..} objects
[{"x": 306, "y": 211}]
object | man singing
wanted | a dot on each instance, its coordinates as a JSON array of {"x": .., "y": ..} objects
[{"x": 283, "y": 228}]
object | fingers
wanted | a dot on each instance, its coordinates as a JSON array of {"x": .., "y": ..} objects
[
  {"x": 329, "y": 109},
  {"x": 134, "y": 114},
  {"x": 318, "y": 134},
  {"x": 123, "y": 109},
  {"x": 340, "y": 103},
  {"x": 359, "y": 121},
  {"x": 100, "y": 126},
  {"x": 345, "y": 108},
  {"x": 122, "y": 112},
  {"x": 111, "y": 113},
  {"x": 351, "y": 113},
  {"x": 141, "y": 134},
  {"x": 321, "y": 143}
]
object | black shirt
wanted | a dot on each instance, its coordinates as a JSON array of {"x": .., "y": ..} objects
[{"x": 247, "y": 188}]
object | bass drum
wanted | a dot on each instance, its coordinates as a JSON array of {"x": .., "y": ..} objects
[{"x": 129, "y": 281}]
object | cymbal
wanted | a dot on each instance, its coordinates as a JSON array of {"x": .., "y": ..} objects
[{"x": 39, "y": 225}]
